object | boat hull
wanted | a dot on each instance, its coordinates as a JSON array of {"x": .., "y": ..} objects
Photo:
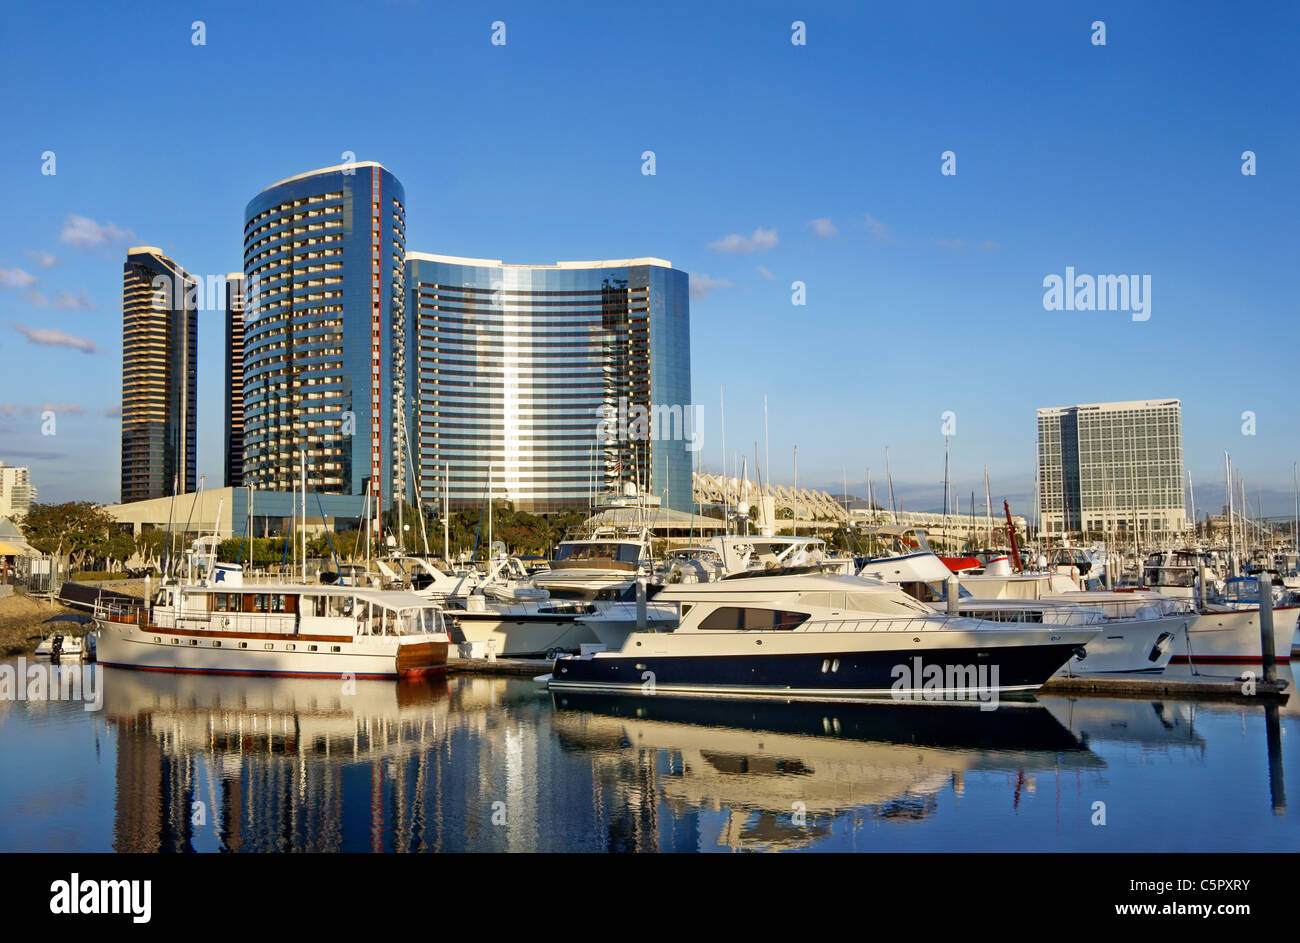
[
  {"x": 892, "y": 672},
  {"x": 1129, "y": 646},
  {"x": 522, "y": 636},
  {"x": 1233, "y": 636},
  {"x": 152, "y": 648}
]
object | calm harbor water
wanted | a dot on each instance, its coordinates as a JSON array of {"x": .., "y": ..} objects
[{"x": 476, "y": 763}]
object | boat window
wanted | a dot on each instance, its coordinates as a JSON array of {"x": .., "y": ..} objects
[
  {"x": 622, "y": 553},
  {"x": 883, "y": 603},
  {"x": 737, "y": 618}
]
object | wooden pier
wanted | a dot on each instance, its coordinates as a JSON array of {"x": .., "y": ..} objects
[
  {"x": 1219, "y": 689},
  {"x": 532, "y": 667}
]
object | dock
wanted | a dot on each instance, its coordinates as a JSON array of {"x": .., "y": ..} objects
[
  {"x": 531, "y": 667},
  {"x": 1229, "y": 689}
]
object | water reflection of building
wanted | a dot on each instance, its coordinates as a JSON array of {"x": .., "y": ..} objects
[
  {"x": 273, "y": 761},
  {"x": 769, "y": 766},
  {"x": 501, "y": 748}
]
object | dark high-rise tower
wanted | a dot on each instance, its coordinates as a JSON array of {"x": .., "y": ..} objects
[
  {"x": 234, "y": 391},
  {"x": 160, "y": 347}
]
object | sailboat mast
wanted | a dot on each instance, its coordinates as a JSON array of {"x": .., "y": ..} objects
[
  {"x": 889, "y": 477},
  {"x": 794, "y": 504}
]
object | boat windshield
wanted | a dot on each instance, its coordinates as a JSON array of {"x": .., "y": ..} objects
[
  {"x": 418, "y": 621},
  {"x": 891, "y": 604},
  {"x": 597, "y": 551}
]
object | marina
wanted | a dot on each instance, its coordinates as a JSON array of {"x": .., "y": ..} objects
[{"x": 771, "y": 448}]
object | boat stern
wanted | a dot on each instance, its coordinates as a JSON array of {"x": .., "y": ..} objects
[{"x": 417, "y": 658}]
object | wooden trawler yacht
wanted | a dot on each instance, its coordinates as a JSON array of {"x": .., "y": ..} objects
[
  {"x": 815, "y": 636},
  {"x": 214, "y": 623}
]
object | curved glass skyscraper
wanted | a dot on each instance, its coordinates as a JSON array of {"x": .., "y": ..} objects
[
  {"x": 324, "y": 352},
  {"x": 558, "y": 380}
]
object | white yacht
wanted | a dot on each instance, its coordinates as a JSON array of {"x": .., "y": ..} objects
[
  {"x": 1224, "y": 627},
  {"x": 1136, "y": 630},
  {"x": 228, "y": 627},
  {"x": 519, "y": 619},
  {"x": 813, "y": 636}
]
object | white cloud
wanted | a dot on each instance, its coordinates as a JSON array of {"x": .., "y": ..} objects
[
  {"x": 765, "y": 272},
  {"x": 53, "y": 337},
  {"x": 85, "y": 233},
  {"x": 702, "y": 286},
  {"x": 988, "y": 245},
  {"x": 62, "y": 301},
  {"x": 956, "y": 245},
  {"x": 761, "y": 239},
  {"x": 16, "y": 278},
  {"x": 67, "y": 409},
  {"x": 878, "y": 230},
  {"x": 823, "y": 228},
  {"x": 42, "y": 258}
]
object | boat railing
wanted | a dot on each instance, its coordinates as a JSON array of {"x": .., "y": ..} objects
[
  {"x": 122, "y": 611},
  {"x": 936, "y": 623},
  {"x": 261, "y": 623}
]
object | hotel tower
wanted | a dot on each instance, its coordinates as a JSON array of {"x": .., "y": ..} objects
[
  {"x": 324, "y": 353},
  {"x": 511, "y": 368}
]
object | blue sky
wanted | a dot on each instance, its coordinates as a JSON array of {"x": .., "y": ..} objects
[{"x": 924, "y": 293}]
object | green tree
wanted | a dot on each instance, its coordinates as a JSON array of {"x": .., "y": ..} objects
[{"x": 79, "y": 529}]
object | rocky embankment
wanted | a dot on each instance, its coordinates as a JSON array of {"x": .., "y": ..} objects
[{"x": 20, "y": 624}]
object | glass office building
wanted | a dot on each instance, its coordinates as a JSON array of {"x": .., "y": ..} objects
[
  {"x": 160, "y": 354},
  {"x": 234, "y": 380},
  {"x": 324, "y": 352},
  {"x": 536, "y": 375},
  {"x": 1112, "y": 468}
]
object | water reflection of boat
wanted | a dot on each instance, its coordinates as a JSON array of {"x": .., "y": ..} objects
[
  {"x": 265, "y": 756},
  {"x": 1152, "y": 724},
  {"x": 769, "y": 764}
]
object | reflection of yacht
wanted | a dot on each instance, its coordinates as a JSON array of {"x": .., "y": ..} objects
[
  {"x": 815, "y": 636},
  {"x": 251, "y": 715},
  {"x": 270, "y": 764},
  {"x": 1160, "y": 724},
  {"x": 761, "y": 761}
]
